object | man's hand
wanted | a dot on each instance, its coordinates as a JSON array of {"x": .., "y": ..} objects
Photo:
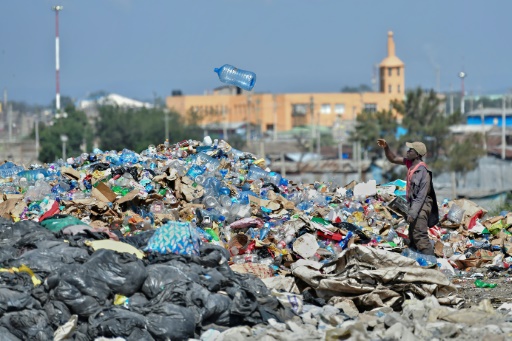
[
  {"x": 410, "y": 219},
  {"x": 382, "y": 143}
]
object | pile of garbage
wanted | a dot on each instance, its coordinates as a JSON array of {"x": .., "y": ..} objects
[{"x": 196, "y": 238}]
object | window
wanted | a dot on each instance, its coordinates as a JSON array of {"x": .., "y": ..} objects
[
  {"x": 299, "y": 109},
  {"x": 398, "y": 88},
  {"x": 339, "y": 109},
  {"x": 389, "y": 71},
  {"x": 398, "y": 71},
  {"x": 370, "y": 107},
  {"x": 389, "y": 88},
  {"x": 325, "y": 109}
]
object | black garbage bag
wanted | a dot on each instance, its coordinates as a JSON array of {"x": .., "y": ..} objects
[
  {"x": 216, "y": 310},
  {"x": 57, "y": 312},
  {"x": 5, "y": 335},
  {"x": 139, "y": 240},
  {"x": 140, "y": 335},
  {"x": 83, "y": 279},
  {"x": 137, "y": 300},
  {"x": 7, "y": 252},
  {"x": 28, "y": 325},
  {"x": 213, "y": 280},
  {"x": 124, "y": 273},
  {"x": 159, "y": 275},
  {"x": 17, "y": 279},
  {"x": 82, "y": 305},
  {"x": 30, "y": 238},
  {"x": 50, "y": 257},
  {"x": 244, "y": 303},
  {"x": 115, "y": 322},
  {"x": 168, "y": 321},
  {"x": 207, "y": 307},
  {"x": 6, "y": 229},
  {"x": 213, "y": 255},
  {"x": 41, "y": 293},
  {"x": 19, "y": 229},
  {"x": 14, "y": 299}
]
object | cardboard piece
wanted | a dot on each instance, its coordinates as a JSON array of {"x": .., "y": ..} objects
[
  {"x": 469, "y": 263},
  {"x": 438, "y": 249},
  {"x": 6, "y": 207},
  {"x": 191, "y": 189},
  {"x": 70, "y": 173},
  {"x": 128, "y": 197},
  {"x": 102, "y": 192},
  {"x": 485, "y": 255}
]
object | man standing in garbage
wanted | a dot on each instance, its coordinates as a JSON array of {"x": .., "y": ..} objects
[{"x": 421, "y": 197}]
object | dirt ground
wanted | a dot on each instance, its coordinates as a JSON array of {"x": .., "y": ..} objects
[{"x": 473, "y": 295}]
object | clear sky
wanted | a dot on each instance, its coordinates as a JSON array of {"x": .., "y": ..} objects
[{"x": 139, "y": 48}]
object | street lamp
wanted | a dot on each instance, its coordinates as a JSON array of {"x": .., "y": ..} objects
[
  {"x": 63, "y": 139},
  {"x": 462, "y": 75},
  {"x": 57, "y": 9}
]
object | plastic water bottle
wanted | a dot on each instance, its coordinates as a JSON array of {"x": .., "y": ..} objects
[
  {"x": 34, "y": 174},
  {"x": 9, "y": 169},
  {"x": 256, "y": 173},
  {"x": 231, "y": 75}
]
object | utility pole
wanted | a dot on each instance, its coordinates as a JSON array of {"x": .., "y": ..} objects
[
  {"x": 462, "y": 75},
  {"x": 451, "y": 99},
  {"x": 37, "y": 136},
  {"x": 9, "y": 120},
  {"x": 438, "y": 79},
  {"x": 4, "y": 108},
  {"x": 503, "y": 126},
  {"x": 57, "y": 9},
  {"x": 166, "y": 119},
  {"x": 275, "y": 116},
  {"x": 225, "y": 125},
  {"x": 248, "y": 124},
  {"x": 312, "y": 113}
]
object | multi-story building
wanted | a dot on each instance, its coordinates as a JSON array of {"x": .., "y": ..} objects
[{"x": 230, "y": 106}]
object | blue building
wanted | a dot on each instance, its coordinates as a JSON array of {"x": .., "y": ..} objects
[{"x": 490, "y": 117}]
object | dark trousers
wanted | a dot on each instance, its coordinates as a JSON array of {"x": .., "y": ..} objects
[{"x": 418, "y": 230}]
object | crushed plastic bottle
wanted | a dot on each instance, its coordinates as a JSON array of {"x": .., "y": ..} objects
[
  {"x": 481, "y": 284},
  {"x": 422, "y": 259}
]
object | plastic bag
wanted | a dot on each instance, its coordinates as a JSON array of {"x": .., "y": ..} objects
[
  {"x": 171, "y": 322},
  {"x": 124, "y": 273},
  {"x": 60, "y": 222},
  {"x": 455, "y": 214},
  {"x": 28, "y": 325},
  {"x": 159, "y": 275},
  {"x": 175, "y": 237},
  {"x": 114, "y": 321}
]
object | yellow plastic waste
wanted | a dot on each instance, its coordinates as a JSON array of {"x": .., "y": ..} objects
[
  {"x": 119, "y": 299},
  {"x": 115, "y": 246},
  {"x": 358, "y": 216},
  {"x": 23, "y": 268},
  {"x": 260, "y": 163}
]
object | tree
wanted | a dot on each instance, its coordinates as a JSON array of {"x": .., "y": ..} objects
[
  {"x": 424, "y": 119},
  {"x": 137, "y": 128},
  {"x": 75, "y": 126},
  {"x": 371, "y": 126},
  {"x": 65, "y": 102},
  {"x": 463, "y": 155}
]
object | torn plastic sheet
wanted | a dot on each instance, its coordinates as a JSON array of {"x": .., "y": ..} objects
[{"x": 380, "y": 277}]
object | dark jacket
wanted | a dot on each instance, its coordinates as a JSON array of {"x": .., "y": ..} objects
[{"x": 422, "y": 186}]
